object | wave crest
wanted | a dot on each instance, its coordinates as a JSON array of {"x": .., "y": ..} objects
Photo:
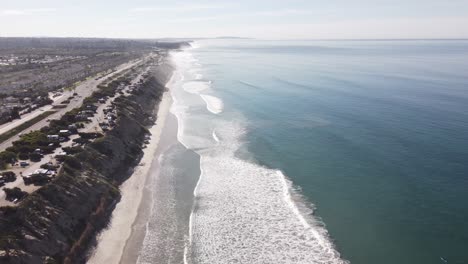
[
  {"x": 243, "y": 212},
  {"x": 214, "y": 104}
]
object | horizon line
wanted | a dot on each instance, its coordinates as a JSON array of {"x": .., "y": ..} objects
[{"x": 239, "y": 38}]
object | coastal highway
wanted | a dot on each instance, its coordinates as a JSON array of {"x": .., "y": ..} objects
[
  {"x": 85, "y": 89},
  {"x": 10, "y": 125},
  {"x": 26, "y": 117},
  {"x": 92, "y": 126}
]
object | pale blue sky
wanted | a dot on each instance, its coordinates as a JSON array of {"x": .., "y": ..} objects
[{"x": 272, "y": 19}]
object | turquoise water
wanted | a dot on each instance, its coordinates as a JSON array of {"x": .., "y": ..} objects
[{"x": 374, "y": 133}]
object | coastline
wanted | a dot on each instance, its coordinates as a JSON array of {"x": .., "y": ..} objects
[
  {"x": 160, "y": 229},
  {"x": 112, "y": 241},
  {"x": 134, "y": 245}
]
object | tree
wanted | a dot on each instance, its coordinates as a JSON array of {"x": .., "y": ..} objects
[
  {"x": 14, "y": 193},
  {"x": 3, "y": 165},
  {"x": 35, "y": 157},
  {"x": 14, "y": 114},
  {"x": 8, "y": 156},
  {"x": 9, "y": 176},
  {"x": 23, "y": 156}
]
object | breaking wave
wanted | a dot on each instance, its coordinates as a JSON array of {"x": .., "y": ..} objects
[
  {"x": 195, "y": 87},
  {"x": 213, "y": 104},
  {"x": 243, "y": 212}
]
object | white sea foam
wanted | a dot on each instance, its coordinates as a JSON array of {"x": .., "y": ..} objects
[
  {"x": 244, "y": 213},
  {"x": 215, "y": 137},
  {"x": 196, "y": 87},
  {"x": 194, "y": 45},
  {"x": 214, "y": 104}
]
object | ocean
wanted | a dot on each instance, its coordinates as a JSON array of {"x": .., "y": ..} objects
[{"x": 325, "y": 151}]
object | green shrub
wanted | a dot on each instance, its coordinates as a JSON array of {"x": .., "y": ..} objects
[
  {"x": 48, "y": 149},
  {"x": 48, "y": 166},
  {"x": 36, "y": 157},
  {"x": 91, "y": 135},
  {"x": 14, "y": 193},
  {"x": 34, "y": 138},
  {"x": 3, "y": 165},
  {"x": 8, "y": 156},
  {"x": 18, "y": 129},
  {"x": 71, "y": 161},
  {"x": 25, "y": 148},
  {"x": 72, "y": 150},
  {"x": 81, "y": 141},
  {"x": 23, "y": 156},
  {"x": 12, "y": 149},
  {"x": 8, "y": 176}
]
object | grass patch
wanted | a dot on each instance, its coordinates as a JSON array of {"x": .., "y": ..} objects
[
  {"x": 59, "y": 106},
  {"x": 7, "y": 135}
]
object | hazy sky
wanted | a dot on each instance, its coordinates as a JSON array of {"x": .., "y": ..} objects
[{"x": 273, "y": 19}]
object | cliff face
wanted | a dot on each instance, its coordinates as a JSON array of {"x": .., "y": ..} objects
[{"x": 58, "y": 223}]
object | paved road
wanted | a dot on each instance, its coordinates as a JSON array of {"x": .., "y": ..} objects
[
  {"x": 83, "y": 90},
  {"x": 93, "y": 126},
  {"x": 26, "y": 117}
]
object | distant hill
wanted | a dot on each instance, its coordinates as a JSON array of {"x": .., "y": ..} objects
[
  {"x": 231, "y": 37},
  {"x": 83, "y": 43}
]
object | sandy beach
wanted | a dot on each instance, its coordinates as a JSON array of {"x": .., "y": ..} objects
[{"x": 112, "y": 241}]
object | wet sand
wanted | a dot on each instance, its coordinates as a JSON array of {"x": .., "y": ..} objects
[
  {"x": 151, "y": 222},
  {"x": 160, "y": 231},
  {"x": 112, "y": 241}
]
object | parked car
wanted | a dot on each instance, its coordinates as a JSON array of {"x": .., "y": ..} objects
[{"x": 24, "y": 164}]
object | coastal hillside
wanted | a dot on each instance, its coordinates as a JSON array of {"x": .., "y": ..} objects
[{"x": 58, "y": 222}]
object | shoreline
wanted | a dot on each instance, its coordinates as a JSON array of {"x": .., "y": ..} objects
[
  {"x": 159, "y": 233},
  {"x": 112, "y": 241},
  {"x": 136, "y": 241}
]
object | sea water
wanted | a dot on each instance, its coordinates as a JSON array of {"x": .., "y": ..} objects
[{"x": 326, "y": 151}]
